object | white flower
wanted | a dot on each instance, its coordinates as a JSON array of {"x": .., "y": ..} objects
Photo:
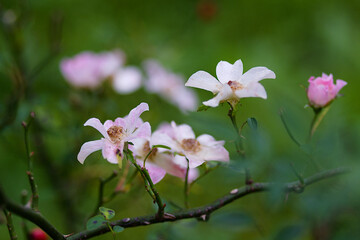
[
  {"x": 181, "y": 139},
  {"x": 170, "y": 86},
  {"x": 115, "y": 134},
  {"x": 232, "y": 84}
]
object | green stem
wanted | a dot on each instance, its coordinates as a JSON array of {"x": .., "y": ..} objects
[
  {"x": 30, "y": 174},
  {"x": 239, "y": 143},
  {"x": 186, "y": 187},
  {"x": 10, "y": 225},
  {"x": 318, "y": 117}
]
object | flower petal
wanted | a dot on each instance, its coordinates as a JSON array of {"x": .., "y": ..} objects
[
  {"x": 225, "y": 94},
  {"x": 109, "y": 151},
  {"x": 144, "y": 131},
  {"x": 95, "y": 123},
  {"x": 229, "y": 72},
  {"x": 133, "y": 116},
  {"x": 156, "y": 173},
  {"x": 204, "y": 80},
  {"x": 88, "y": 148},
  {"x": 160, "y": 138},
  {"x": 253, "y": 89},
  {"x": 182, "y": 131},
  {"x": 127, "y": 80},
  {"x": 256, "y": 74}
]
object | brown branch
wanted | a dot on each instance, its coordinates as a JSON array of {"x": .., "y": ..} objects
[{"x": 205, "y": 211}]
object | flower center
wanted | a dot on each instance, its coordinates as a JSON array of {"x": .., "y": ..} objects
[
  {"x": 147, "y": 149},
  {"x": 115, "y": 133},
  {"x": 190, "y": 144},
  {"x": 235, "y": 85}
]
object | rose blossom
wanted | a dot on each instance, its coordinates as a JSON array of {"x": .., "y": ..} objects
[
  {"x": 181, "y": 139},
  {"x": 232, "y": 84},
  {"x": 168, "y": 85},
  {"x": 322, "y": 90},
  {"x": 115, "y": 134}
]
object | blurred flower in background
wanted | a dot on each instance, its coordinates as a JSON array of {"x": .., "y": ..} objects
[{"x": 169, "y": 85}]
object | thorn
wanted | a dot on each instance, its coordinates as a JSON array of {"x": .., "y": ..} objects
[
  {"x": 126, "y": 220},
  {"x": 169, "y": 216},
  {"x": 24, "y": 124},
  {"x": 234, "y": 191}
]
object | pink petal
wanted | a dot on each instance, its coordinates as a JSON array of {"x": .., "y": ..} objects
[
  {"x": 229, "y": 72},
  {"x": 109, "y": 151},
  {"x": 144, "y": 131},
  {"x": 127, "y": 80},
  {"x": 339, "y": 85},
  {"x": 156, "y": 173},
  {"x": 225, "y": 94},
  {"x": 256, "y": 74},
  {"x": 134, "y": 114},
  {"x": 95, "y": 123},
  {"x": 88, "y": 148},
  {"x": 253, "y": 89},
  {"x": 204, "y": 81},
  {"x": 208, "y": 140}
]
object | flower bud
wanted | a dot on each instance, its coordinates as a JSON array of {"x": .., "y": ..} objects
[
  {"x": 322, "y": 90},
  {"x": 38, "y": 234}
]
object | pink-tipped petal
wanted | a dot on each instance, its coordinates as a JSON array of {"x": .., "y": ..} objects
[
  {"x": 134, "y": 114},
  {"x": 88, "y": 148},
  {"x": 229, "y": 72},
  {"x": 256, "y": 74},
  {"x": 225, "y": 94},
  {"x": 253, "y": 89},
  {"x": 95, "y": 123},
  {"x": 204, "y": 80}
]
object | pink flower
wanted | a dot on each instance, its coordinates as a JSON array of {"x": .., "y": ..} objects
[
  {"x": 88, "y": 69},
  {"x": 170, "y": 86},
  {"x": 232, "y": 84},
  {"x": 159, "y": 162},
  {"x": 115, "y": 134},
  {"x": 127, "y": 80},
  {"x": 322, "y": 90},
  {"x": 181, "y": 139}
]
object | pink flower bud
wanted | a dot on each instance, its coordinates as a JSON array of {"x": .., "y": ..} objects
[{"x": 322, "y": 90}]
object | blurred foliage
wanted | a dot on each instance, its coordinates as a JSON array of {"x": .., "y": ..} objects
[{"x": 296, "y": 39}]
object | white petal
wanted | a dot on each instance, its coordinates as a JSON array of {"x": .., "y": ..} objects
[
  {"x": 132, "y": 118},
  {"x": 208, "y": 140},
  {"x": 88, "y": 148},
  {"x": 225, "y": 94},
  {"x": 229, "y": 72},
  {"x": 182, "y": 131},
  {"x": 127, "y": 80},
  {"x": 160, "y": 138},
  {"x": 95, "y": 123},
  {"x": 254, "y": 89},
  {"x": 214, "y": 153},
  {"x": 204, "y": 80},
  {"x": 256, "y": 74}
]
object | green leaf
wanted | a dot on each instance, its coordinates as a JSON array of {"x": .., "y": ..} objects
[
  {"x": 107, "y": 212},
  {"x": 252, "y": 123},
  {"x": 161, "y": 146},
  {"x": 202, "y": 108},
  {"x": 95, "y": 222},
  {"x": 118, "y": 229}
]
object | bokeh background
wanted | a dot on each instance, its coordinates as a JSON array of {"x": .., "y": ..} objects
[{"x": 295, "y": 39}]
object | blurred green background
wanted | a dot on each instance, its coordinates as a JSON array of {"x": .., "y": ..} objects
[{"x": 295, "y": 39}]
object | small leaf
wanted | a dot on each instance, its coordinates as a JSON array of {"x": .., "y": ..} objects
[
  {"x": 252, "y": 123},
  {"x": 118, "y": 229},
  {"x": 161, "y": 146},
  {"x": 202, "y": 108},
  {"x": 95, "y": 222},
  {"x": 107, "y": 212}
]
